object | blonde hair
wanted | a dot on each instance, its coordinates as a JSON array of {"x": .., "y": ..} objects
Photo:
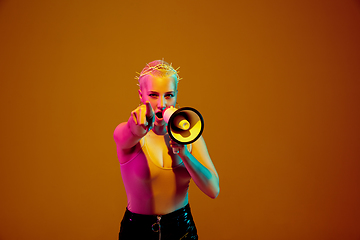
[{"x": 158, "y": 68}]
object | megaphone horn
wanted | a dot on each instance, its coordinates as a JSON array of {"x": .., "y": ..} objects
[{"x": 185, "y": 125}]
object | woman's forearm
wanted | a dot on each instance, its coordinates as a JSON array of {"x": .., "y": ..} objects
[
  {"x": 128, "y": 134},
  {"x": 205, "y": 179}
]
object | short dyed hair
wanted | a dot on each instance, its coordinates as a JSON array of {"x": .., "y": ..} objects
[{"x": 158, "y": 68}]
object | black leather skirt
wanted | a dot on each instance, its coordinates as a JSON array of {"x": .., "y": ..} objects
[{"x": 178, "y": 225}]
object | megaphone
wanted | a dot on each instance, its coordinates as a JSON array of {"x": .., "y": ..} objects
[{"x": 185, "y": 125}]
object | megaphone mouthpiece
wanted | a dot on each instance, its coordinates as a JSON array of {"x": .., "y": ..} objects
[{"x": 167, "y": 113}]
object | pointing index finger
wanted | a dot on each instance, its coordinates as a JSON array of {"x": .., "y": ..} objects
[{"x": 149, "y": 110}]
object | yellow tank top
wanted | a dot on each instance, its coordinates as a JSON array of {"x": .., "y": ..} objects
[{"x": 156, "y": 181}]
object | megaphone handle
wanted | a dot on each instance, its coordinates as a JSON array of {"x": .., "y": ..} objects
[{"x": 175, "y": 150}]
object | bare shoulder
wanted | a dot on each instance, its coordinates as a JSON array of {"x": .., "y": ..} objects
[
  {"x": 118, "y": 131},
  {"x": 200, "y": 144}
]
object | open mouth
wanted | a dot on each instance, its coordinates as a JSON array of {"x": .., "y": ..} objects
[{"x": 159, "y": 115}]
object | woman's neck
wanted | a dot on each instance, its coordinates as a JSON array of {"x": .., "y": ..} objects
[{"x": 160, "y": 129}]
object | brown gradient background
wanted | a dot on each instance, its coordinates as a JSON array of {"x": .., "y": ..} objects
[{"x": 276, "y": 81}]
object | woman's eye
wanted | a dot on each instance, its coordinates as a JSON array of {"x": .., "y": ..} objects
[
  {"x": 152, "y": 95},
  {"x": 169, "y": 96}
]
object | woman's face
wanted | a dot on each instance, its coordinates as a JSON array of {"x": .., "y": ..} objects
[{"x": 161, "y": 92}]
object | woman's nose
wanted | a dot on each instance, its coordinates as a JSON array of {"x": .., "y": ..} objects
[{"x": 161, "y": 103}]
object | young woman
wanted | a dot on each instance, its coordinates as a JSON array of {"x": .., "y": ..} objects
[{"x": 156, "y": 179}]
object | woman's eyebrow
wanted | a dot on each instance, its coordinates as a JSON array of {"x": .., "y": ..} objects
[{"x": 155, "y": 92}]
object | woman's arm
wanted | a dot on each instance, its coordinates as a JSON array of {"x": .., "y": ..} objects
[
  {"x": 128, "y": 134},
  {"x": 200, "y": 167}
]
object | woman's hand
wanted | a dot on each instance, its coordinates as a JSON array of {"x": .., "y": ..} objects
[
  {"x": 143, "y": 117},
  {"x": 128, "y": 134},
  {"x": 179, "y": 149}
]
